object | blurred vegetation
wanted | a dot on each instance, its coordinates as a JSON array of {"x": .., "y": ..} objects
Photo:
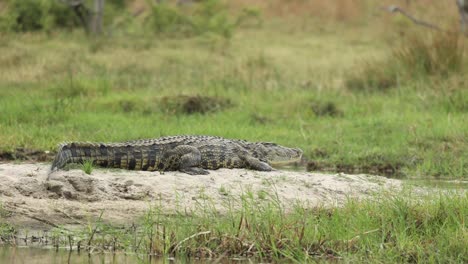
[
  {"x": 46, "y": 15},
  {"x": 358, "y": 92},
  {"x": 35, "y": 15},
  {"x": 421, "y": 55},
  {"x": 379, "y": 97},
  {"x": 163, "y": 18},
  {"x": 209, "y": 16}
]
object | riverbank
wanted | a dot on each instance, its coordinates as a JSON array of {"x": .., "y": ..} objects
[
  {"x": 72, "y": 197},
  {"x": 232, "y": 213}
]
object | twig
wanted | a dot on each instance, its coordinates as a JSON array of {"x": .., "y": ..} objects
[
  {"x": 365, "y": 233},
  {"x": 250, "y": 248},
  {"x": 69, "y": 216},
  {"x": 42, "y": 220},
  {"x": 94, "y": 230},
  {"x": 188, "y": 238},
  {"x": 396, "y": 9}
]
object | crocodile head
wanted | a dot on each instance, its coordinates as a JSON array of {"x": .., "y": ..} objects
[{"x": 276, "y": 154}]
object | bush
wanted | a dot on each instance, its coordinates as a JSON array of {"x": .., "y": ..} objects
[
  {"x": 28, "y": 15},
  {"x": 165, "y": 19},
  {"x": 212, "y": 16},
  {"x": 34, "y": 15},
  {"x": 208, "y": 16}
]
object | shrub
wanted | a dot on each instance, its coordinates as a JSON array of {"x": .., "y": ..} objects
[
  {"x": 23, "y": 16},
  {"x": 208, "y": 16},
  {"x": 212, "y": 16},
  {"x": 165, "y": 19},
  {"x": 34, "y": 15}
]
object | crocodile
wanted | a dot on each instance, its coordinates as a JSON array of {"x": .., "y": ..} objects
[{"x": 191, "y": 154}]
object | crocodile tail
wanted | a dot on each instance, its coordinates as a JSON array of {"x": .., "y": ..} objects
[
  {"x": 63, "y": 157},
  {"x": 117, "y": 155}
]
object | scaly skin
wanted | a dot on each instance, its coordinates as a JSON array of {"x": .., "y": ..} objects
[{"x": 189, "y": 154}]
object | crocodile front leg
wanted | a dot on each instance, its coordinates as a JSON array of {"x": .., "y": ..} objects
[
  {"x": 190, "y": 159},
  {"x": 256, "y": 164}
]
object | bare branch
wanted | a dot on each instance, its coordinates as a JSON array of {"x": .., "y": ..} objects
[
  {"x": 396, "y": 9},
  {"x": 72, "y": 3}
]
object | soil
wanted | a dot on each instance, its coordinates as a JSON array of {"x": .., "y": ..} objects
[
  {"x": 184, "y": 104},
  {"x": 26, "y": 155},
  {"x": 72, "y": 197}
]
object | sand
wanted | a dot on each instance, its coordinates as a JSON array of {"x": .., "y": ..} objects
[{"x": 73, "y": 197}]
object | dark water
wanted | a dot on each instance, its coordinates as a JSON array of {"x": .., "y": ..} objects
[
  {"x": 438, "y": 183},
  {"x": 430, "y": 182},
  {"x": 36, "y": 255},
  {"x": 28, "y": 255}
]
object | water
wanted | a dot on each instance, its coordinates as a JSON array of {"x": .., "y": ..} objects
[
  {"x": 43, "y": 255},
  {"x": 48, "y": 255},
  {"x": 429, "y": 182},
  {"x": 34, "y": 255},
  {"x": 438, "y": 183}
]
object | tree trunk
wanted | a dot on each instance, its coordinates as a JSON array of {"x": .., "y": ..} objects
[
  {"x": 96, "y": 20},
  {"x": 463, "y": 9}
]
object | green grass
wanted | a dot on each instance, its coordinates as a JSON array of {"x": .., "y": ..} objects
[
  {"x": 396, "y": 228},
  {"x": 7, "y": 230},
  {"x": 345, "y": 95},
  {"x": 264, "y": 84},
  {"x": 87, "y": 166}
]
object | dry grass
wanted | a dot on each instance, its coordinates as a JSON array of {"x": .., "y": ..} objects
[
  {"x": 433, "y": 54},
  {"x": 340, "y": 10},
  {"x": 417, "y": 56},
  {"x": 346, "y": 10}
]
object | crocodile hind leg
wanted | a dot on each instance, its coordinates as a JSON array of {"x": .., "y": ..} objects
[{"x": 190, "y": 159}]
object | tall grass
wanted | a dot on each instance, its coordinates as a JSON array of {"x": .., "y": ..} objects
[
  {"x": 388, "y": 229},
  {"x": 432, "y": 54},
  {"x": 418, "y": 56}
]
